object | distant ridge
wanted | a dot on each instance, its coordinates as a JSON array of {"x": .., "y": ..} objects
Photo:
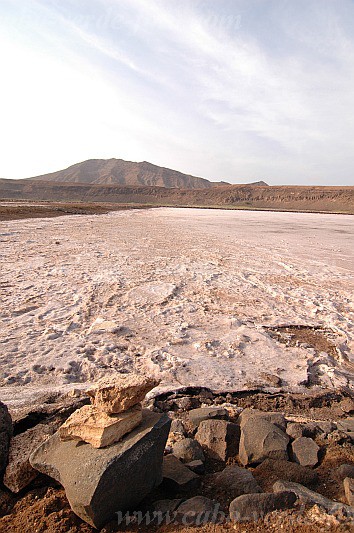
[{"x": 284, "y": 198}]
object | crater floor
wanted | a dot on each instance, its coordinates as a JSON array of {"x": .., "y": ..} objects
[{"x": 230, "y": 300}]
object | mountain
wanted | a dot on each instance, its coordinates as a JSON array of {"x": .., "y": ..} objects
[{"x": 119, "y": 172}]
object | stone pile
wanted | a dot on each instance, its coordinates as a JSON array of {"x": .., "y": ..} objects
[
  {"x": 115, "y": 410},
  {"x": 107, "y": 455}
]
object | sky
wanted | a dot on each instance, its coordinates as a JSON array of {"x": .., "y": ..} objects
[{"x": 233, "y": 90}]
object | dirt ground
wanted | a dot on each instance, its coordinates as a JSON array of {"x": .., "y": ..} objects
[{"x": 23, "y": 210}]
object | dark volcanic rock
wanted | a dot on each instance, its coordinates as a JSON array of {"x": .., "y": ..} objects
[
  {"x": 220, "y": 438},
  {"x": 19, "y": 473},
  {"x": 278, "y": 419},
  {"x": 252, "y": 507},
  {"x": 197, "y": 467},
  {"x": 236, "y": 481},
  {"x": 101, "y": 482},
  {"x": 188, "y": 450},
  {"x": 305, "y": 451},
  {"x": 177, "y": 426},
  {"x": 310, "y": 497},
  {"x": 272, "y": 470},
  {"x": 197, "y": 511},
  {"x": 5, "y": 435},
  {"x": 177, "y": 477},
  {"x": 344, "y": 471},
  {"x": 166, "y": 506},
  {"x": 196, "y": 416},
  {"x": 261, "y": 439}
]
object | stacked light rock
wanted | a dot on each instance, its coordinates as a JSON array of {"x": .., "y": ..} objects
[{"x": 115, "y": 410}]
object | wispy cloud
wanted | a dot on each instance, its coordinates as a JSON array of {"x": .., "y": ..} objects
[{"x": 229, "y": 90}]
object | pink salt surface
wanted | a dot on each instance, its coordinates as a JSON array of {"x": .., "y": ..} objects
[{"x": 186, "y": 295}]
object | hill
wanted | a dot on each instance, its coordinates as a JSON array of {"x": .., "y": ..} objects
[{"x": 120, "y": 172}]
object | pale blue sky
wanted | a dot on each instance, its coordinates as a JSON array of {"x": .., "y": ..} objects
[{"x": 234, "y": 90}]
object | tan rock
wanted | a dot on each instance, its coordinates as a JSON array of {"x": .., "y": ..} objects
[
  {"x": 119, "y": 393},
  {"x": 97, "y": 427}
]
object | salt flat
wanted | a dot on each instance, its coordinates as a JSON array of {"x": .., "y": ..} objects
[{"x": 189, "y": 295}]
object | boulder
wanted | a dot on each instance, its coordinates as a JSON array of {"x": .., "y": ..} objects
[
  {"x": 188, "y": 450},
  {"x": 5, "y": 435},
  {"x": 305, "y": 451},
  {"x": 252, "y": 507},
  {"x": 220, "y": 438},
  {"x": 278, "y": 419},
  {"x": 99, "y": 482},
  {"x": 196, "y": 416},
  {"x": 197, "y": 511},
  {"x": 309, "y": 497},
  {"x": 261, "y": 439},
  {"x": 19, "y": 473},
  {"x": 119, "y": 393},
  {"x": 177, "y": 477},
  {"x": 272, "y": 470},
  {"x": 197, "y": 467},
  {"x": 348, "y": 485},
  {"x": 97, "y": 427},
  {"x": 236, "y": 481}
]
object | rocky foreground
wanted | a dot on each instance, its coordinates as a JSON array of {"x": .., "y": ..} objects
[{"x": 179, "y": 460}]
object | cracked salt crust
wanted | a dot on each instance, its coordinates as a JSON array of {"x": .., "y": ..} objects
[{"x": 182, "y": 294}]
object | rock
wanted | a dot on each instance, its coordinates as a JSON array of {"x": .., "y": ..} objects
[
  {"x": 119, "y": 393},
  {"x": 324, "y": 426},
  {"x": 310, "y": 497},
  {"x": 220, "y": 438},
  {"x": 272, "y": 470},
  {"x": 197, "y": 467},
  {"x": 19, "y": 473},
  {"x": 197, "y": 511},
  {"x": 348, "y": 485},
  {"x": 339, "y": 436},
  {"x": 344, "y": 471},
  {"x": 97, "y": 427},
  {"x": 177, "y": 426},
  {"x": 305, "y": 451},
  {"x": 196, "y": 416},
  {"x": 346, "y": 425},
  {"x": 177, "y": 477},
  {"x": 252, "y": 507},
  {"x": 261, "y": 439},
  {"x": 188, "y": 450},
  {"x": 164, "y": 507},
  {"x": 278, "y": 419},
  {"x": 101, "y": 482},
  {"x": 295, "y": 430},
  {"x": 347, "y": 405},
  {"x": 5, "y": 435},
  {"x": 186, "y": 403},
  {"x": 236, "y": 481}
]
